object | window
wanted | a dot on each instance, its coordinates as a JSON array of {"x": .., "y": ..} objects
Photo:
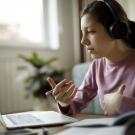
[{"x": 24, "y": 22}]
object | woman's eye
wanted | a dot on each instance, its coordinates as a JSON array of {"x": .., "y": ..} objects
[{"x": 91, "y": 31}]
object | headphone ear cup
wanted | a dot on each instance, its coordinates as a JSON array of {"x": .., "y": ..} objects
[{"x": 119, "y": 30}]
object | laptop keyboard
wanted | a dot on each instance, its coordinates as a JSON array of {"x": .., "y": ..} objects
[{"x": 23, "y": 119}]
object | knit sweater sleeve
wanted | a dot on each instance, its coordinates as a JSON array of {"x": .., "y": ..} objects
[{"x": 85, "y": 93}]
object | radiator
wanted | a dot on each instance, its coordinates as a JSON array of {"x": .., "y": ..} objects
[{"x": 11, "y": 92}]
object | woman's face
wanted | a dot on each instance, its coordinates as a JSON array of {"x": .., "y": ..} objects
[{"x": 95, "y": 37}]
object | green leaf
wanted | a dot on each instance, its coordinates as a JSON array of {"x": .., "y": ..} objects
[{"x": 36, "y": 83}]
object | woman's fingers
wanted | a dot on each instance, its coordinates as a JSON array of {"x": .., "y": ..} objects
[
  {"x": 121, "y": 89},
  {"x": 51, "y": 82},
  {"x": 60, "y": 95},
  {"x": 73, "y": 94},
  {"x": 68, "y": 83},
  {"x": 69, "y": 98},
  {"x": 68, "y": 95},
  {"x": 70, "y": 90},
  {"x": 64, "y": 92},
  {"x": 62, "y": 86}
]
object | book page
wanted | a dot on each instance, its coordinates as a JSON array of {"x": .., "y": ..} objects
[
  {"x": 93, "y": 122},
  {"x": 119, "y": 130}
]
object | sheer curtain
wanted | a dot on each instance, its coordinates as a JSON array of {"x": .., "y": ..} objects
[{"x": 32, "y": 22}]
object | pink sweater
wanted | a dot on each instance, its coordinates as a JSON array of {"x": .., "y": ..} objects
[{"x": 104, "y": 77}]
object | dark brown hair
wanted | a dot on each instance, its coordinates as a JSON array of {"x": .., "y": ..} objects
[{"x": 102, "y": 13}]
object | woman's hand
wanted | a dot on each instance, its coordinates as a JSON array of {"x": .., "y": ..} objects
[
  {"x": 63, "y": 92},
  {"x": 112, "y": 101}
]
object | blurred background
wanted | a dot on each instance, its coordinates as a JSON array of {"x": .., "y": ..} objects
[{"x": 50, "y": 29}]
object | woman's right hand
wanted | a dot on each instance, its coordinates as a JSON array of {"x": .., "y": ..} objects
[{"x": 63, "y": 92}]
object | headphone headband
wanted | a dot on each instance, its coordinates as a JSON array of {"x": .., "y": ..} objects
[
  {"x": 119, "y": 28},
  {"x": 109, "y": 5}
]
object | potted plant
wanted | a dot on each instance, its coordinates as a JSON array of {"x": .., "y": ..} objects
[{"x": 35, "y": 81}]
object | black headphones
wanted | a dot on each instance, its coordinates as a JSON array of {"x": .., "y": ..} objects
[{"x": 118, "y": 29}]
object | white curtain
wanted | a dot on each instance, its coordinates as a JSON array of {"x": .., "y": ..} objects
[{"x": 33, "y": 22}]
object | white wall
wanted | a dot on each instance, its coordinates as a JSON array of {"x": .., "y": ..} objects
[{"x": 129, "y": 7}]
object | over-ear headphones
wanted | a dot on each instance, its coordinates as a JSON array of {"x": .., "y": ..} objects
[{"x": 119, "y": 29}]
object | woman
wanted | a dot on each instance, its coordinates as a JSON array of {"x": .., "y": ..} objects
[{"x": 108, "y": 36}]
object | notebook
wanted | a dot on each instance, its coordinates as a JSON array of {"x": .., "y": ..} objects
[
  {"x": 122, "y": 119},
  {"x": 34, "y": 119},
  {"x": 119, "y": 130},
  {"x": 99, "y": 122}
]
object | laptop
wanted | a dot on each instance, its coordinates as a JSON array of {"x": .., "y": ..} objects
[{"x": 34, "y": 119}]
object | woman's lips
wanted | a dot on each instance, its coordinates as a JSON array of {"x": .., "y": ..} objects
[{"x": 91, "y": 50}]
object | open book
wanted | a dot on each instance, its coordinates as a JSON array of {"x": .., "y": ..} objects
[
  {"x": 115, "y": 121},
  {"x": 120, "y": 125},
  {"x": 93, "y": 122},
  {"x": 119, "y": 130}
]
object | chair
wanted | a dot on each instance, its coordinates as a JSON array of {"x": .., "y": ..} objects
[{"x": 78, "y": 74}]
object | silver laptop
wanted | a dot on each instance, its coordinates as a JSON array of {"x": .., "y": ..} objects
[{"x": 34, "y": 119}]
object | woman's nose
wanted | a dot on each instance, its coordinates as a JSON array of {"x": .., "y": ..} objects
[{"x": 85, "y": 41}]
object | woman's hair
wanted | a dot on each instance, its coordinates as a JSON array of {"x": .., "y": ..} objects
[
  {"x": 106, "y": 15},
  {"x": 132, "y": 34}
]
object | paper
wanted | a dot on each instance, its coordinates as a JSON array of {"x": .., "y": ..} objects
[
  {"x": 119, "y": 130},
  {"x": 94, "y": 122}
]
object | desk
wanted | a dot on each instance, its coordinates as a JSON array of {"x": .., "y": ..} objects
[{"x": 53, "y": 130}]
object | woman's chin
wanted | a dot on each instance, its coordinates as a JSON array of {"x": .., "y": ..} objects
[{"x": 94, "y": 56}]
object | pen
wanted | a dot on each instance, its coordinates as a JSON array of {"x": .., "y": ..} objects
[{"x": 48, "y": 92}]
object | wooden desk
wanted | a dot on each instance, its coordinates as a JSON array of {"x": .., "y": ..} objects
[{"x": 53, "y": 130}]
